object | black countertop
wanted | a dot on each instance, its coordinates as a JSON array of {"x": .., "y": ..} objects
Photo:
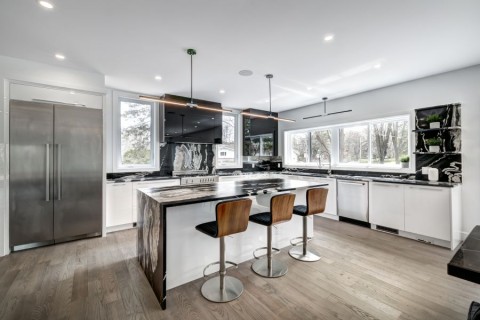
[
  {"x": 306, "y": 174},
  {"x": 465, "y": 264},
  {"x": 188, "y": 194}
]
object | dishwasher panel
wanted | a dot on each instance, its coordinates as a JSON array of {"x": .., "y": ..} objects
[{"x": 352, "y": 199}]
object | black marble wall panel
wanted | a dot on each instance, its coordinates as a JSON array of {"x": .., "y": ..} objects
[
  {"x": 451, "y": 140},
  {"x": 187, "y": 157},
  {"x": 449, "y": 166},
  {"x": 180, "y": 157},
  {"x": 450, "y": 114},
  {"x": 449, "y": 160}
]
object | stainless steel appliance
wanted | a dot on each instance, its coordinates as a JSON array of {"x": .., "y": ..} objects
[
  {"x": 198, "y": 179},
  {"x": 56, "y": 170},
  {"x": 352, "y": 199}
]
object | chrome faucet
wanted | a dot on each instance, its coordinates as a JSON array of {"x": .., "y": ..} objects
[{"x": 329, "y": 161}]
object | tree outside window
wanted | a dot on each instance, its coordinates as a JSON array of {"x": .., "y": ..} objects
[{"x": 136, "y": 147}]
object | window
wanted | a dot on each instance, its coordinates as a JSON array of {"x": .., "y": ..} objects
[
  {"x": 353, "y": 145},
  {"x": 310, "y": 148},
  {"x": 374, "y": 143},
  {"x": 389, "y": 142},
  {"x": 228, "y": 152},
  {"x": 135, "y": 135}
]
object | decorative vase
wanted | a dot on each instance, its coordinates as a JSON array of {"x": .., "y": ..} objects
[
  {"x": 405, "y": 164},
  {"x": 434, "y": 125},
  {"x": 434, "y": 148}
]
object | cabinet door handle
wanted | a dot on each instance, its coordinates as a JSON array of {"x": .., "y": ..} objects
[
  {"x": 427, "y": 188},
  {"x": 118, "y": 184},
  {"x": 47, "y": 174},
  {"x": 59, "y": 171},
  {"x": 354, "y": 183},
  {"x": 386, "y": 184}
]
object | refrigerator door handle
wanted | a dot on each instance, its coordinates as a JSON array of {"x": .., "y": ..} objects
[
  {"x": 47, "y": 172},
  {"x": 59, "y": 171}
]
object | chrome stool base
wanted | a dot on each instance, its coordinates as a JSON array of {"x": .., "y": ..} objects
[
  {"x": 278, "y": 268},
  {"x": 233, "y": 288},
  {"x": 297, "y": 253}
]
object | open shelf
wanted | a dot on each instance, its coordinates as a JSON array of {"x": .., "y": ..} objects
[
  {"x": 446, "y": 152},
  {"x": 437, "y": 129}
]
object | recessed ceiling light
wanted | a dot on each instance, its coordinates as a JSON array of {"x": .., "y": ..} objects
[
  {"x": 329, "y": 37},
  {"x": 45, "y": 4},
  {"x": 158, "y": 78},
  {"x": 221, "y": 91},
  {"x": 60, "y": 56},
  {"x": 309, "y": 88},
  {"x": 72, "y": 92},
  {"x": 377, "y": 66},
  {"x": 245, "y": 73}
]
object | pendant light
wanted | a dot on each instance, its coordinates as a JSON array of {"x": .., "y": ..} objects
[
  {"x": 191, "y": 104},
  {"x": 325, "y": 111},
  {"x": 270, "y": 115}
]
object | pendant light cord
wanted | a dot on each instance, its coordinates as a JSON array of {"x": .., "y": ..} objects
[
  {"x": 191, "y": 78},
  {"x": 191, "y": 52},
  {"x": 270, "y": 93}
]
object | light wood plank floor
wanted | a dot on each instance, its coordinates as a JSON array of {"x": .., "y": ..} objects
[{"x": 364, "y": 274}]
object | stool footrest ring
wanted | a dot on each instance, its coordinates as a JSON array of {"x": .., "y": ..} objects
[
  {"x": 233, "y": 264},
  {"x": 274, "y": 251},
  {"x": 297, "y": 243}
]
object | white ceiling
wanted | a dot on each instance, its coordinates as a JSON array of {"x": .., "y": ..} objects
[{"x": 132, "y": 41}]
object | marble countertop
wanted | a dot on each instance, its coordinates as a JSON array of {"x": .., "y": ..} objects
[
  {"x": 465, "y": 264},
  {"x": 188, "y": 194},
  {"x": 308, "y": 174}
]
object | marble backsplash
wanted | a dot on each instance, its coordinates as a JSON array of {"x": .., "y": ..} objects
[
  {"x": 180, "y": 157},
  {"x": 187, "y": 157}
]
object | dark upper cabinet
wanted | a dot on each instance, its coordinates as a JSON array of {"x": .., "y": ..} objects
[
  {"x": 191, "y": 125},
  {"x": 260, "y": 136}
]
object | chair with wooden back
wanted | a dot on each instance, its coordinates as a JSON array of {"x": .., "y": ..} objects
[
  {"x": 281, "y": 210},
  {"x": 231, "y": 217},
  {"x": 316, "y": 202}
]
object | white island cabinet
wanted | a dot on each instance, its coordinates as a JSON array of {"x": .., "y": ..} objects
[{"x": 387, "y": 205}]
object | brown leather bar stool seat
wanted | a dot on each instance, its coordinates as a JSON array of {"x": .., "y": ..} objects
[
  {"x": 231, "y": 217},
  {"x": 316, "y": 201},
  {"x": 281, "y": 209}
]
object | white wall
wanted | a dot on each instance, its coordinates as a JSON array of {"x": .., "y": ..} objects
[
  {"x": 17, "y": 70},
  {"x": 457, "y": 86}
]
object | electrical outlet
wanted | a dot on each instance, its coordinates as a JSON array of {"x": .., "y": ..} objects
[
  {"x": 253, "y": 166},
  {"x": 278, "y": 165}
]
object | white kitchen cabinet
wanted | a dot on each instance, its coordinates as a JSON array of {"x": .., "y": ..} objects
[
  {"x": 387, "y": 205},
  {"x": 27, "y": 92},
  {"x": 118, "y": 204},
  {"x": 148, "y": 184},
  {"x": 428, "y": 211}
]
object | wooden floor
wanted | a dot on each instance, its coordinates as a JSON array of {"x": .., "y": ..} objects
[{"x": 364, "y": 274}]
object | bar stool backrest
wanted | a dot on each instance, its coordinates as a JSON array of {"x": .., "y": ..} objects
[
  {"x": 232, "y": 216},
  {"x": 316, "y": 200},
  {"x": 281, "y": 207}
]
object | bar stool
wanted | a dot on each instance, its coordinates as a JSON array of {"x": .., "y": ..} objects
[
  {"x": 316, "y": 200},
  {"x": 281, "y": 209},
  {"x": 231, "y": 218}
]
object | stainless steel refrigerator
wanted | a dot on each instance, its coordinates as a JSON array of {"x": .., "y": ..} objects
[{"x": 56, "y": 169}]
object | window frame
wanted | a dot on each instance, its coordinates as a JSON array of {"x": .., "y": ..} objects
[
  {"x": 335, "y": 146},
  {"x": 237, "y": 145},
  {"x": 155, "y": 134}
]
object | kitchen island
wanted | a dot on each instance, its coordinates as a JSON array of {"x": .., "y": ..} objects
[{"x": 168, "y": 243}]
